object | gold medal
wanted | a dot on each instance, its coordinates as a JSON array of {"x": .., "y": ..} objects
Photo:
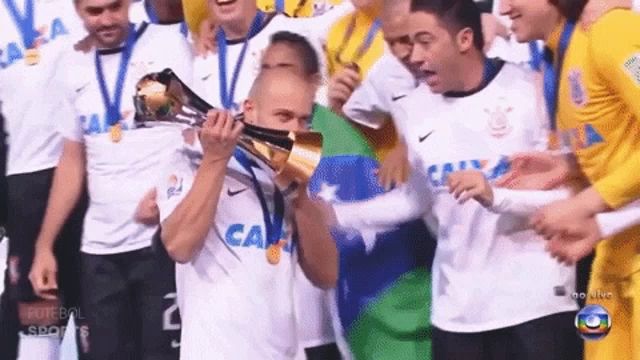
[
  {"x": 115, "y": 132},
  {"x": 32, "y": 56},
  {"x": 273, "y": 254}
]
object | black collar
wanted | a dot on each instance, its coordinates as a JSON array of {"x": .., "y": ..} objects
[
  {"x": 139, "y": 32},
  {"x": 494, "y": 66}
]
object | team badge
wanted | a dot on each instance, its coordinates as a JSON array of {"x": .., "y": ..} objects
[
  {"x": 174, "y": 187},
  {"x": 632, "y": 67},
  {"x": 14, "y": 270},
  {"x": 578, "y": 91},
  {"x": 498, "y": 121}
]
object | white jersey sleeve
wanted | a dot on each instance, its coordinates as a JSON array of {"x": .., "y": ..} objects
[
  {"x": 612, "y": 223},
  {"x": 388, "y": 80},
  {"x": 173, "y": 187},
  {"x": 409, "y": 202},
  {"x": 69, "y": 125},
  {"x": 524, "y": 202}
]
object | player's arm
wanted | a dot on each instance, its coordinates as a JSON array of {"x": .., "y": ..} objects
[
  {"x": 614, "y": 222},
  {"x": 66, "y": 189},
  {"x": 367, "y": 105},
  {"x": 385, "y": 212},
  {"x": 185, "y": 230},
  {"x": 616, "y": 53},
  {"x": 317, "y": 250}
]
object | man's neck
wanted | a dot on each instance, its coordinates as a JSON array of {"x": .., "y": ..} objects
[
  {"x": 239, "y": 29},
  {"x": 473, "y": 73},
  {"x": 167, "y": 11},
  {"x": 549, "y": 26}
]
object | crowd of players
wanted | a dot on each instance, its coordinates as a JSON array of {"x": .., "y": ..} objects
[{"x": 166, "y": 242}]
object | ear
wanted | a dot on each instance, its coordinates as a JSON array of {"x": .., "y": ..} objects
[
  {"x": 464, "y": 39},
  {"x": 250, "y": 112}
]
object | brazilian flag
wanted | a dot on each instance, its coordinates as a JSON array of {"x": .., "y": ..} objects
[{"x": 383, "y": 293}]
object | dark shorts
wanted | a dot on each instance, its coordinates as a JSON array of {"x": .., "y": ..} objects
[
  {"x": 552, "y": 337},
  {"x": 28, "y": 195},
  {"x": 130, "y": 302}
]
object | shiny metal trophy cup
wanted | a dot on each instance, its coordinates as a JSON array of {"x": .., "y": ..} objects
[{"x": 162, "y": 98}]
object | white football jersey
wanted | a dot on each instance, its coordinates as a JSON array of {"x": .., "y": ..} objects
[
  {"x": 234, "y": 304},
  {"x": 386, "y": 82},
  {"x": 30, "y": 107},
  {"x": 490, "y": 271},
  {"x": 120, "y": 173}
]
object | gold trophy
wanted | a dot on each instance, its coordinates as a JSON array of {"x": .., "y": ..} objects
[{"x": 162, "y": 98}]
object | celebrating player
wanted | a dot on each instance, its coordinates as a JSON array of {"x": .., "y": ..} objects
[
  {"x": 235, "y": 233},
  {"x": 315, "y": 331},
  {"x": 592, "y": 92},
  {"x": 130, "y": 304},
  {"x": 33, "y": 36},
  {"x": 485, "y": 264}
]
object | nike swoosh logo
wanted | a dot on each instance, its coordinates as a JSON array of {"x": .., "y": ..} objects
[
  {"x": 398, "y": 97},
  {"x": 423, "y": 138},
  {"x": 82, "y": 87},
  {"x": 204, "y": 78},
  {"x": 234, "y": 193},
  {"x": 175, "y": 344}
]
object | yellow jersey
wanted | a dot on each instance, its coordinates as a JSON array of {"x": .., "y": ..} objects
[
  {"x": 299, "y": 8},
  {"x": 345, "y": 46},
  {"x": 598, "y": 115}
]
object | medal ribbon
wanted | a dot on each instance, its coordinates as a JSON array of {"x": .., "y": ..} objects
[
  {"x": 536, "y": 56},
  {"x": 112, "y": 105},
  {"x": 226, "y": 94},
  {"x": 364, "y": 46},
  {"x": 272, "y": 225},
  {"x": 553, "y": 71},
  {"x": 24, "y": 22}
]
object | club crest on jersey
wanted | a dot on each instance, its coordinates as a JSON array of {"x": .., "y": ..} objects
[
  {"x": 580, "y": 138},
  {"x": 174, "y": 186},
  {"x": 578, "y": 91},
  {"x": 498, "y": 122},
  {"x": 632, "y": 67},
  {"x": 14, "y": 51}
]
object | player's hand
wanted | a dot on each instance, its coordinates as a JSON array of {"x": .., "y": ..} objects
[
  {"x": 341, "y": 86},
  {"x": 148, "y": 212},
  {"x": 596, "y": 8},
  {"x": 560, "y": 217},
  {"x": 219, "y": 136},
  {"x": 85, "y": 45},
  {"x": 491, "y": 29},
  {"x": 205, "y": 40},
  {"x": 579, "y": 240},
  {"x": 537, "y": 171},
  {"x": 467, "y": 184},
  {"x": 394, "y": 169},
  {"x": 325, "y": 210},
  {"x": 44, "y": 274}
]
